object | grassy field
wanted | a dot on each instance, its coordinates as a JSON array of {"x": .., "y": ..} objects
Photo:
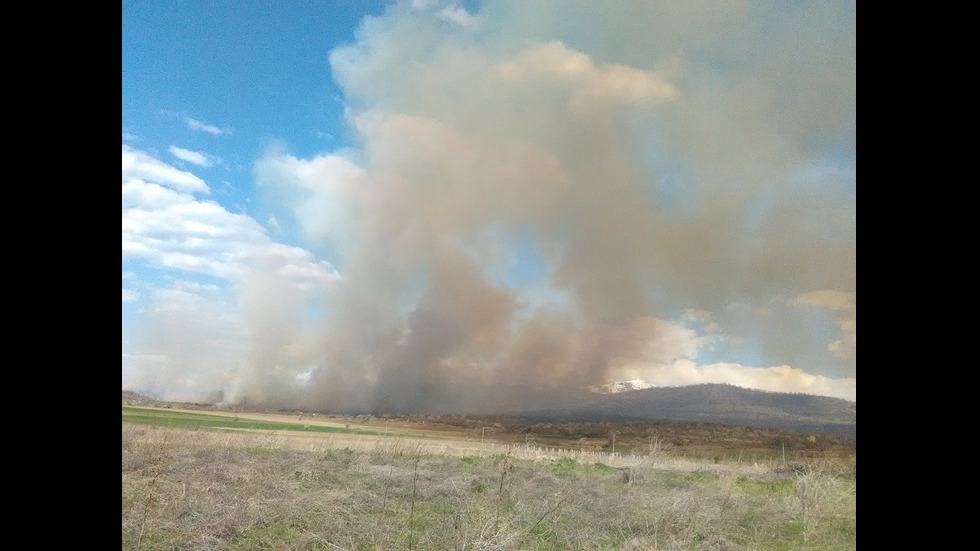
[
  {"x": 194, "y": 480},
  {"x": 198, "y": 421}
]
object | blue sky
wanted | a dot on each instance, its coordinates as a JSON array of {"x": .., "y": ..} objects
[{"x": 413, "y": 205}]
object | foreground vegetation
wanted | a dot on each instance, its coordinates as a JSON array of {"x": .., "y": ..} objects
[{"x": 198, "y": 487}]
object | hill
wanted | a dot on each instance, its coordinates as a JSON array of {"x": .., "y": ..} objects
[
  {"x": 707, "y": 403},
  {"x": 720, "y": 404}
]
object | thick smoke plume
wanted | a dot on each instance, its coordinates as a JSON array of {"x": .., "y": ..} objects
[{"x": 548, "y": 196}]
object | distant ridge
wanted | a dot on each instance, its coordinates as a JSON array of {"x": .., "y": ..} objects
[
  {"x": 721, "y": 404},
  {"x": 706, "y": 403}
]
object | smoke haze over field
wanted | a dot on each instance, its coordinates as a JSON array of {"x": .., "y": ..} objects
[{"x": 528, "y": 198}]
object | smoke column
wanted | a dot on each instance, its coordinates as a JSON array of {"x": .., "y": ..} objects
[{"x": 540, "y": 191}]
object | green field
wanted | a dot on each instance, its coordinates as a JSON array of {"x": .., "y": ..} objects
[{"x": 205, "y": 421}]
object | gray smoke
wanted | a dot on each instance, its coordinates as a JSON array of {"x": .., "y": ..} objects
[{"x": 540, "y": 191}]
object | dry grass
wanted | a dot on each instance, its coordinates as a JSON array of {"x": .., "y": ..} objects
[{"x": 200, "y": 490}]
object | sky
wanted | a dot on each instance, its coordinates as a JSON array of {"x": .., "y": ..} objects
[{"x": 435, "y": 206}]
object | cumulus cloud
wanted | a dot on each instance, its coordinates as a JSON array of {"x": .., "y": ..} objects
[
  {"x": 173, "y": 229},
  {"x": 165, "y": 224},
  {"x": 781, "y": 378},
  {"x": 669, "y": 358}
]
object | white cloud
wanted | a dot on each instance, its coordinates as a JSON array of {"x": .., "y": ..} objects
[
  {"x": 668, "y": 359},
  {"x": 193, "y": 157},
  {"x": 129, "y": 295},
  {"x": 319, "y": 192},
  {"x": 138, "y": 165},
  {"x": 195, "y": 124},
  {"x": 172, "y": 229},
  {"x": 781, "y": 378},
  {"x": 169, "y": 227}
]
